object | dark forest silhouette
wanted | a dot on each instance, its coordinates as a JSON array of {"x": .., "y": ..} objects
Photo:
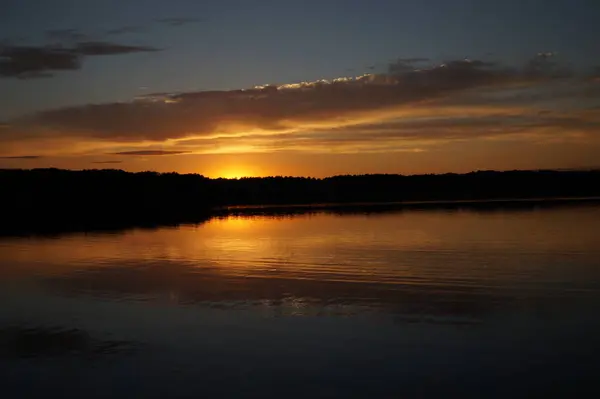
[{"x": 57, "y": 199}]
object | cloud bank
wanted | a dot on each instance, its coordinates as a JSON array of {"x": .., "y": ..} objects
[{"x": 413, "y": 105}]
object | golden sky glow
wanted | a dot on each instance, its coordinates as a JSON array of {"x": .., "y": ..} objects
[{"x": 447, "y": 117}]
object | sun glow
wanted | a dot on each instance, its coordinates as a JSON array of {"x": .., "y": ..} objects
[
  {"x": 235, "y": 172},
  {"x": 233, "y": 175},
  {"x": 234, "y": 223}
]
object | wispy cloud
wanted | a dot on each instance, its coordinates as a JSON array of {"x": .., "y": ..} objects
[
  {"x": 409, "y": 134},
  {"x": 23, "y": 157},
  {"x": 178, "y": 21},
  {"x": 150, "y": 152},
  {"x": 107, "y": 48},
  {"x": 107, "y": 162}
]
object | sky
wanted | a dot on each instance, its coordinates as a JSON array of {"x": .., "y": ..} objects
[{"x": 230, "y": 88}]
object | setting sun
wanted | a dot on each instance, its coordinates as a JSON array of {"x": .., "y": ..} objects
[
  {"x": 235, "y": 172},
  {"x": 234, "y": 175}
]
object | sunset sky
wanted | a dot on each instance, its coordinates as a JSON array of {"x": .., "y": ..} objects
[{"x": 288, "y": 87}]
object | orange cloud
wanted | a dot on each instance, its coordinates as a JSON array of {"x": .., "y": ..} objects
[{"x": 407, "y": 109}]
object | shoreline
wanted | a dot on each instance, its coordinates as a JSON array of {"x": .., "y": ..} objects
[
  {"x": 400, "y": 204},
  {"x": 42, "y": 228}
]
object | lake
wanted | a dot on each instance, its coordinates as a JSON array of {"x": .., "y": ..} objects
[{"x": 408, "y": 303}]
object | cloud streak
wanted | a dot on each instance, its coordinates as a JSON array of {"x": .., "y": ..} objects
[
  {"x": 93, "y": 48},
  {"x": 178, "y": 21},
  {"x": 28, "y": 61},
  {"x": 23, "y": 157},
  {"x": 150, "y": 152}
]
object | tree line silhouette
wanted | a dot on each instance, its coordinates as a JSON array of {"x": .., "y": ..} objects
[{"x": 108, "y": 197}]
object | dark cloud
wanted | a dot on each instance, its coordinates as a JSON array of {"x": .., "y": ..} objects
[
  {"x": 150, "y": 152},
  {"x": 25, "y": 62},
  {"x": 30, "y": 61},
  {"x": 548, "y": 64},
  {"x": 23, "y": 157},
  {"x": 178, "y": 21},
  {"x": 163, "y": 116},
  {"x": 107, "y": 48}
]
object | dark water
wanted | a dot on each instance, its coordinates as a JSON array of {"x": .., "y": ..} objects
[{"x": 407, "y": 304}]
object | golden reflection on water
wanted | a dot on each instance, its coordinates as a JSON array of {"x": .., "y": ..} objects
[
  {"x": 390, "y": 247},
  {"x": 484, "y": 293}
]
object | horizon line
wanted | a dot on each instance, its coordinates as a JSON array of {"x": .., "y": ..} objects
[{"x": 578, "y": 169}]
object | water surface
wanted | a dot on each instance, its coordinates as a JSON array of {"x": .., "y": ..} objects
[{"x": 401, "y": 304}]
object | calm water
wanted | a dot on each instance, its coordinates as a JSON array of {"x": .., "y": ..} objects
[{"x": 405, "y": 304}]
